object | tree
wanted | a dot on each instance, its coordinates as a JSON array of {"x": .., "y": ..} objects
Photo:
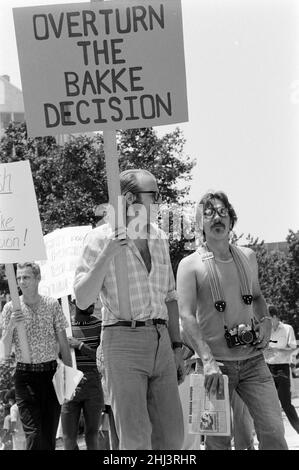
[
  {"x": 278, "y": 275},
  {"x": 7, "y": 367},
  {"x": 3, "y": 283},
  {"x": 293, "y": 286}
]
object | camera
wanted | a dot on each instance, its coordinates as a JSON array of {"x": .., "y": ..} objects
[{"x": 240, "y": 335}]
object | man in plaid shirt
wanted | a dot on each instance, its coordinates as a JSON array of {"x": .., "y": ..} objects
[{"x": 140, "y": 353}]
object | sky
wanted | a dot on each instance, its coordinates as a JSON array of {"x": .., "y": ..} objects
[{"x": 242, "y": 70}]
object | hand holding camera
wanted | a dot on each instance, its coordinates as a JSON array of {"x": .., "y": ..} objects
[
  {"x": 263, "y": 332},
  {"x": 241, "y": 335},
  {"x": 248, "y": 335}
]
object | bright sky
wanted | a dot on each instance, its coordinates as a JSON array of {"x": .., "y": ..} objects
[{"x": 242, "y": 66}]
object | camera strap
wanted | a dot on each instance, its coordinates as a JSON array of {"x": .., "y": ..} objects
[
  {"x": 244, "y": 274},
  {"x": 214, "y": 281}
]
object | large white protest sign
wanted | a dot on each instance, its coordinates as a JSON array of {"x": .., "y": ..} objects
[
  {"x": 21, "y": 237},
  {"x": 99, "y": 66},
  {"x": 63, "y": 247}
]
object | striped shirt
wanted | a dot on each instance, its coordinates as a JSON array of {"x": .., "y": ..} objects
[
  {"x": 88, "y": 333},
  {"x": 148, "y": 290}
]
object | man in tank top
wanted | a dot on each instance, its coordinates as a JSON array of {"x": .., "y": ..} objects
[{"x": 225, "y": 317}]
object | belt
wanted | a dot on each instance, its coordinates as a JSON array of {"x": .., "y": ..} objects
[
  {"x": 282, "y": 365},
  {"x": 135, "y": 323},
  {"x": 40, "y": 367}
]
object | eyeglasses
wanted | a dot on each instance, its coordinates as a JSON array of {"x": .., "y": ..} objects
[
  {"x": 210, "y": 212},
  {"x": 156, "y": 195}
]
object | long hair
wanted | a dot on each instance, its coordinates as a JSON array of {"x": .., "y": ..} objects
[{"x": 206, "y": 201}]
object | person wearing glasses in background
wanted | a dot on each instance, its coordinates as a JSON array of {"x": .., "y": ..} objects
[
  {"x": 225, "y": 318},
  {"x": 141, "y": 359}
]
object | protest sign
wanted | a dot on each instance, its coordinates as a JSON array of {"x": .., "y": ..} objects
[
  {"x": 63, "y": 247},
  {"x": 113, "y": 65},
  {"x": 21, "y": 237}
]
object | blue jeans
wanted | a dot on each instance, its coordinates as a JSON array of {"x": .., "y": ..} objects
[
  {"x": 140, "y": 374},
  {"x": 38, "y": 407},
  {"x": 253, "y": 381},
  {"x": 89, "y": 399},
  {"x": 243, "y": 427}
]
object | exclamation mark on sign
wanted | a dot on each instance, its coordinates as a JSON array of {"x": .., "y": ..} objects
[{"x": 25, "y": 236}]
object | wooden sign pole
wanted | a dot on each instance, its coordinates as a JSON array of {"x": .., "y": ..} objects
[
  {"x": 66, "y": 310},
  {"x": 14, "y": 294},
  {"x": 112, "y": 171},
  {"x": 121, "y": 268}
]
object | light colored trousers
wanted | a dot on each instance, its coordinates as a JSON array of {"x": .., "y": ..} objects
[
  {"x": 191, "y": 441},
  {"x": 253, "y": 381},
  {"x": 140, "y": 374},
  {"x": 19, "y": 442}
]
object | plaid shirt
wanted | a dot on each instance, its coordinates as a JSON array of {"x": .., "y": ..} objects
[{"x": 148, "y": 291}]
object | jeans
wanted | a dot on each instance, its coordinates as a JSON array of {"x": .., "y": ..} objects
[
  {"x": 281, "y": 376},
  {"x": 89, "y": 398},
  {"x": 140, "y": 374},
  {"x": 253, "y": 381},
  {"x": 243, "y": 427},
  {"x": 38, "y": 407}
]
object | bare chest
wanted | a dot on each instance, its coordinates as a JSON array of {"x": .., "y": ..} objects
[{"x": 142, "y": 247}]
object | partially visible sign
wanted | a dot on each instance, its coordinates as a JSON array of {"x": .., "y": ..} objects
[
  {"x": 63, "y": 246},
  {"x": 91, "y": 66},
  {"x": 21, "y": 237}
]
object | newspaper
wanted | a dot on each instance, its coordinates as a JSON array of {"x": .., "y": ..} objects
[
  {"x": 65, "y": 381},
  {"x": 209, "y": 415}
]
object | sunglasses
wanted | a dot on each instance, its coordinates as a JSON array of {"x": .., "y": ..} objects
[
  {"x": 156, "y": 195},
  {"x": 210, "y": 212}
]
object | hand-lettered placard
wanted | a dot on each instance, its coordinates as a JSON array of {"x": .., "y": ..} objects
[
  {"x": 21, "y": 237},
  {"x": 98, "y": 66},
  {"x": 63, "y": 246}
]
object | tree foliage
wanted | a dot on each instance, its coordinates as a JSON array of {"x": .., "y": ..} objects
[
  {"x": 7, "y": 367},
  {"x": 278, "y": 275},
  {"x": 70, "y": 179}
]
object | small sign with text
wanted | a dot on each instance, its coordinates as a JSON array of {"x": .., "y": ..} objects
[{"x": 21, "y": 237}]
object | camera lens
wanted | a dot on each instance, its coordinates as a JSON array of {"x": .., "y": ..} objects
[{"x": 246, "y": 337}]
